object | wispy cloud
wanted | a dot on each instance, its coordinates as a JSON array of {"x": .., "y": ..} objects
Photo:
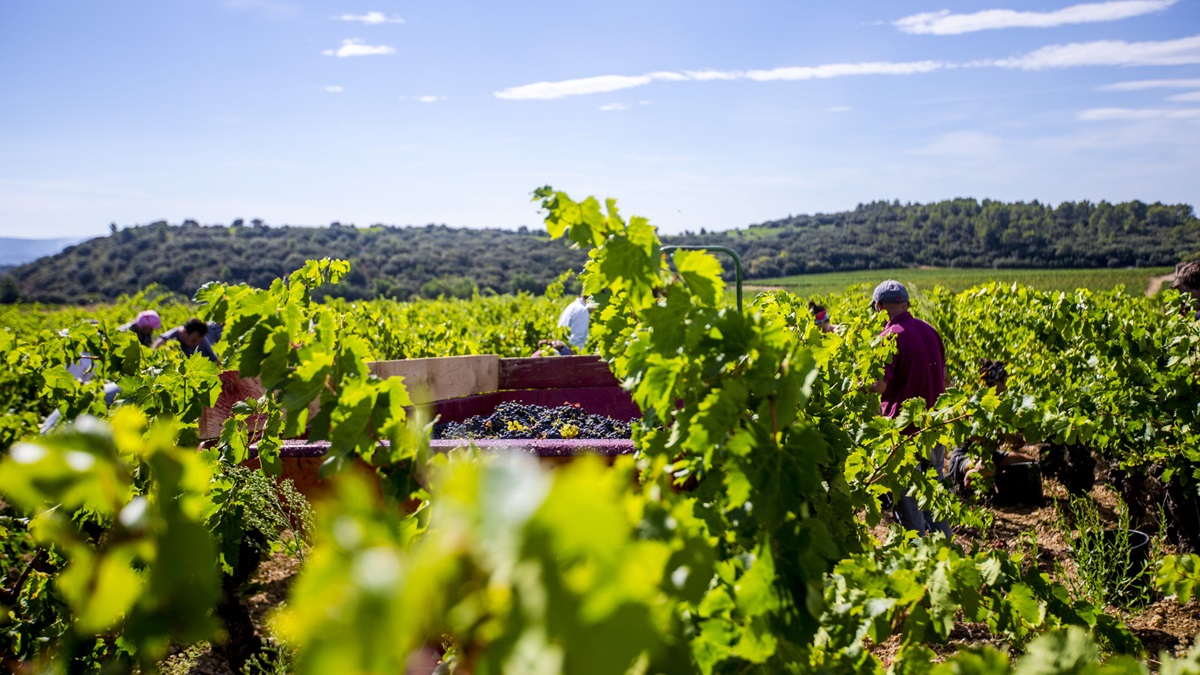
[
  {"x": 1182, "y": 51},
  {"x": 607, "y": 83},
  {"x": 600, "y": 84},
  {"x": 843, "y": 69},
  {"x": 430, "y": 99},
  {"x": 1139, "y": 85},
  {"x": 355, "y": 47},
  {"x": 1106, "y": 53},
  {"x": 370, "y": 18},
  {"x": 614, "y": 107},
  {"x": 839, "y": 109},
  {"x": 1190, "y": 97},
  {"x": 333, "y": 89},
  {"x": 705, "y": 75},
  {"x": 1105, "y": 114},
  {"x": 946, "y": 23}
]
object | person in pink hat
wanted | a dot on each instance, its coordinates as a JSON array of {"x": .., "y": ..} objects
[{"x": 144, "y": 326}]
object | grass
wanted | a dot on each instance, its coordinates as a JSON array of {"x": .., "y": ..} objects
[{"x": 957, "y": 279}]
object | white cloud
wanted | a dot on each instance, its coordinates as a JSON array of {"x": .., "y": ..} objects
[
  {"x": 1190, "y": 97},
  {"x": 370, "y": 18},
  {"x": 431, "y": 99},
  {"x": 607, "y": 83},
  {"x": 355, "y": 47},
  {"x": 1139, "y": 85},
  {"x": 946, "y": 23},
  {"x": 1107, "y": 53},
  {"x": 600, "y": 84},
  {"x": 1106, "y": 114},
  {"x": 842, "y": 70},
  {"x": 612, "y": 107},
  {"x": 333, "y": 89},
  {"x": 705, "y": 75},
  {"x": 839, "y": 109}
]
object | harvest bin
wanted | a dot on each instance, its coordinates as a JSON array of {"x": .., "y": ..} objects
[{"x": 456, "y": 388}]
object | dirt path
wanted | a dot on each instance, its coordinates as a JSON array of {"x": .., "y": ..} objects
[{"x": 1156, "y": 283}]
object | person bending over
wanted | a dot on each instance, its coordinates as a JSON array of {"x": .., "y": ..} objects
[
  {"x": 820, "y": 317},
  {"x": 192, "y": 337},
  {"x": 966, "y": 468},
  {"x": 143, "y": 326}
]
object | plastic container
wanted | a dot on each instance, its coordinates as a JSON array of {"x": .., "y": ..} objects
[
  {"x": 1139, "y": 553},
  {"x": 1019, "y": 484}
]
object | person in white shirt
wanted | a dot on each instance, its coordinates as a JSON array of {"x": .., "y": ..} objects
[{"x": 575, "y": 317}]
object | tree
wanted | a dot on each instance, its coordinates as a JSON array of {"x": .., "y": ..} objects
[{"x": 9, "y": 293}]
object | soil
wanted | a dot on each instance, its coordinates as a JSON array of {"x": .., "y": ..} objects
[
  {"x": 272, "y": 581},
  {"x": 1163, "y": 625},
  {"x": 1156, "y": 283}
]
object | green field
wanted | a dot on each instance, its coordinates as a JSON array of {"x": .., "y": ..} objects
[{"x": 1134, "y": 280}]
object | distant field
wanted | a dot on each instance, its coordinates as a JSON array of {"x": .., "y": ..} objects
[{"x": 1134, "y": 280}]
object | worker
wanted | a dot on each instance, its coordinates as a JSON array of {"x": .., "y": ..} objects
[
  {"x": 192, "y": 337},
  {"x": 576, "y": 318},
  {"x": 917, "y": 370},
  {"x": 143, "y": 326}
]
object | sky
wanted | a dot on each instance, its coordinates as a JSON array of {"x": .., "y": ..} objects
[{"x": 699, "y": 114}]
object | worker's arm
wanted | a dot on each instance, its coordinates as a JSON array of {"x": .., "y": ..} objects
[
  {"x": 164, "y": 338},
  {"x": 206, "y": 349},
  {"x": 879, "y": 387}
]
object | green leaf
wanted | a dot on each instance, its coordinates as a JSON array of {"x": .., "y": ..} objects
[{"x": 702, "y": 274}]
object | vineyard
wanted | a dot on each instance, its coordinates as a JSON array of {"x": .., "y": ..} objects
[
  {"x": 957, "y": 279},
  {"x": 748, "y": 533}
]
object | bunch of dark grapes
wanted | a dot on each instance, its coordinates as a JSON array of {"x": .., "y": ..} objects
[{"x": 520, "y": 420}]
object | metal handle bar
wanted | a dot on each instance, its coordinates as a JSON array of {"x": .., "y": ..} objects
[{"x": 737, "y": 263}]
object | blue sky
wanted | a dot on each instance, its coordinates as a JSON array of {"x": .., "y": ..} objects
[{"x": 710, "y": 114}]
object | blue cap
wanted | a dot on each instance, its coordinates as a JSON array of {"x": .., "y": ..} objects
[{"x": 890, "y": 291}]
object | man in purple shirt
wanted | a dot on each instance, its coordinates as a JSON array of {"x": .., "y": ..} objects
[{"x": 917, "y": 370}]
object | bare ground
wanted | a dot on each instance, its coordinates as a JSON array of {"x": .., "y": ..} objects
[
  {"x": 1156, "y": 284},
  {"x": 1163, "y": 625}
]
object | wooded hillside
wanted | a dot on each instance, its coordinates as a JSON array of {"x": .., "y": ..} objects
[
  {"x": 968, "y": 233},
  {"x": 434, "y": 260}
]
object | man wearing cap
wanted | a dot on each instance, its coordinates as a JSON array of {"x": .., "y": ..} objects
[
  {"x": 144, "y": 326},
  {"x": 917, "y": 370}
]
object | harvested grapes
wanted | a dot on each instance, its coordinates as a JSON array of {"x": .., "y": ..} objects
[{"x": 520, "y": 420}]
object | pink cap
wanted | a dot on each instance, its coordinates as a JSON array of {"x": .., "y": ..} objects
[{"x": 148, "y": 320}]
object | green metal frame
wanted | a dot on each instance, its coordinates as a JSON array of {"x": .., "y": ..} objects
[{"x": 737, "y": 263}]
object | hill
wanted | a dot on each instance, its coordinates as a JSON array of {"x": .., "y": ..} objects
[
  {"x": 387, "y": 261},
  {"x": 965, "y": 233},
  {"x": 403, "y": 262}
]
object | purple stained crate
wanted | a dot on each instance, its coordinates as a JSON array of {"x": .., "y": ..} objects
[
  {"x": 542, "y": 447},
  {"x": 582, "y": 381}
]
